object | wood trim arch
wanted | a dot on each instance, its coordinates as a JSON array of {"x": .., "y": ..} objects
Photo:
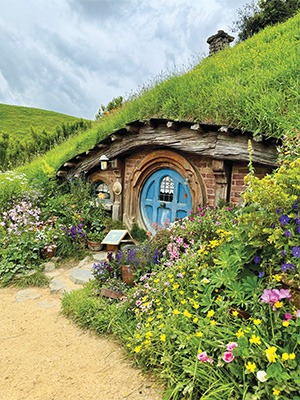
[{"x": 152, "y": 163}]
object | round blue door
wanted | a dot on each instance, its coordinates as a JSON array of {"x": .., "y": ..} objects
[{"x": 165, "y": 197}]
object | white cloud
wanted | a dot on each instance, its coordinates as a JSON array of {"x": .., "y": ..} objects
[{"x": 73, "y": 55}]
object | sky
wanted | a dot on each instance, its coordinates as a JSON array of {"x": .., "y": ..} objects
[{"x": 72, "y": 56}]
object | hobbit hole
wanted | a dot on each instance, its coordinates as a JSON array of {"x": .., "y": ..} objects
[{"x": 160, "y": 170}]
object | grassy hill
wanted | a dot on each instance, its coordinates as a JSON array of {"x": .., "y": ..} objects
[
  {"x": 25, "y": 132},
  {"x": 17, "y": 121},
  {"x": 254, "y": 86}
]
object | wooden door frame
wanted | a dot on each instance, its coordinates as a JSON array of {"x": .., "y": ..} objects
[{"x": 151, "y": 163}]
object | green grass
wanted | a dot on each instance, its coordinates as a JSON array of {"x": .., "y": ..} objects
[
  {"x": 254, "y": 86},
  {"x": 17, "y": 121}
]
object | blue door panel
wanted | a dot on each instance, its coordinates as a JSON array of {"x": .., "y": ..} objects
[
  {"x": 181, "y": 214},
  {"x": 150, "y": 191},
  {"x": 164, "y": 215},
  {"x": 164, "y": 197}
]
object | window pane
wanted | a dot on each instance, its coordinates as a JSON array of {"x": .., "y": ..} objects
[{"x": 166, "y": 191}]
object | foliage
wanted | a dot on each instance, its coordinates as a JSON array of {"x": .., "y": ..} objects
[
  {"x": 114, "y": 104},
  {"x": 253, "y": 18},
  {"x": 220, "y": 315},
  {"x": 33, "y": 132},
  {"x": 252, "y": 86}
]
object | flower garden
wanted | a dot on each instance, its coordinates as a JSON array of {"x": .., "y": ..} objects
[{"x": 213, "y": 310}]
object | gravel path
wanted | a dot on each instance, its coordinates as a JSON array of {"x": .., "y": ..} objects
[{"x": 43, "y": 356}]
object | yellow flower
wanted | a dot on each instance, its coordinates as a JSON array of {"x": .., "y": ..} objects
[
  {"x": 285, "y": 356},
  {"x": 175, "y": 286},
  {"x": 240, "y": 333},
  {"x": 195, "y": 320},
  {"x": 176, "y": 312},
  {"x": 163, "y": 337},
  {"x": 285, "y": 323},
  {"x": 277, "y": 277},
  {"x": 150, "y": 319},
  {"x": 184, "y": 301},
  {"x": 255, "y": 339},
  {"x": 170, "y": 276},
  {"x": 276, "y": 392},
  {"x": 159, "y": 316},
  {"x": 148, "y": 334},
  {"x": 257, "y": 321},
  {"x": 181, "y": 291},
  {"x": 271, "y": 354},
  {"x": 205, "y": 280},
  {"x": 137, "y": 349},
  {"x": 137, "y": 336},
  {"x": 278, "y": 304},
  {"x": 187, "y": 314},
  {"x": 213, "y": 322},
  {"x": 292, "y": 356},
  {"x": 210, "y": 313},
  {"x": 251, "y": 366},
  {"x": 235, "y": 313},
  {"x": 199, "y": 334},
  {"x": 156, "y": 280},
  {"x": 196, "y": 305}
]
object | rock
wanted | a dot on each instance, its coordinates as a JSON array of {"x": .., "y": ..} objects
[
  {"x": 27, "y": 294},
  {"x": 84, "y": 261},
  {"x": 47, "y": 304},
  {"x": 49, "y": 266},
  {"x": 57, "y": 286},
  {"x": 80, "y": 276},
  {"x": 100, "y": 256}
]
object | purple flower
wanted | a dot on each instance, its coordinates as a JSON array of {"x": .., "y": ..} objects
[
  {"x": 261, "y": 274},
  {"x": 286, "y": 266},
  {"x": 288, "y": 233},
  {"x": 296, "y": 251},
  {"x": 297, "y": 220},
  {"x": 295, "y": 205},
  {"x": 257, "y": 260},
  {"x": 284, "y": 219},
  {"x": 283, "y": 252},
  {"x": 288, "y": 316}
]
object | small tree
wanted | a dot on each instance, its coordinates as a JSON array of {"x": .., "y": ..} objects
[
  {"x": 255, "y": 17},
  {"x": 116, "y": 102}
]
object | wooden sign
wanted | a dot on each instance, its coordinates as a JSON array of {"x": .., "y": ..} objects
[{"x": 115, "y": 237}]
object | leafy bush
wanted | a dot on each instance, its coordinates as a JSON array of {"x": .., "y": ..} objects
[{"x": 219, "y": 316}]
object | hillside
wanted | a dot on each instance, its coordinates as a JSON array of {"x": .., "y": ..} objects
[
  {"x": 25, "y": 132},
  {"x": 253, "y": 86},
  {"x": 17, "y": 121}
]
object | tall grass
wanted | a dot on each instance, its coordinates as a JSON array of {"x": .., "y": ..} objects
[{"x": 254, "y": 86}]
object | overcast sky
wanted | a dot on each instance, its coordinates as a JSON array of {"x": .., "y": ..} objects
[{"x": 71, "y": 56}]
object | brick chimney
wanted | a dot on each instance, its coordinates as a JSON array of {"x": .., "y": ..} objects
[{"x": 219, "y": 41}]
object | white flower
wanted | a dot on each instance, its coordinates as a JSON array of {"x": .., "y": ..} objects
[{"x": 261, "y": 376}]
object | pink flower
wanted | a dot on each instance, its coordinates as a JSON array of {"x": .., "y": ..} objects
[
  {"x": 271, "y": 296},
  {"x": 203, "y": 357},
  {"x": 288, "y": 316},
  {"x": 228, "y": 356},
  {"x": 230, "y": 346},
  {"x": 284, "y": 294},
  {"x": 298, "y": 314}
]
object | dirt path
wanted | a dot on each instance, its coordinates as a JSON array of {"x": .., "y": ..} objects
[{"x": 43, "y": 356}]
